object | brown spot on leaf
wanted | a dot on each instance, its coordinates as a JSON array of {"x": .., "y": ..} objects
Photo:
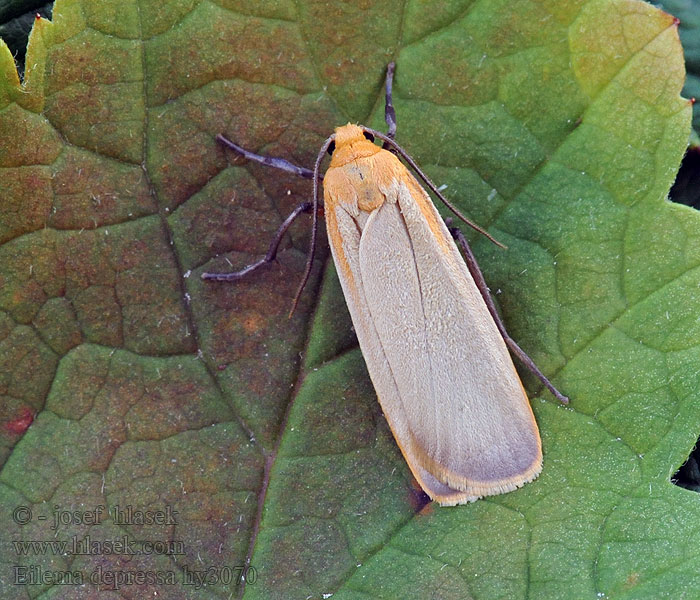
[{"x": 253, "y": 322}]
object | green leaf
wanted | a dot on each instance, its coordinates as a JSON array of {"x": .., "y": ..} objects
[
  {"x": 16, "y": 20},
  {"x": 559, "y": 126},
  {"x": 688, "y": 13},
  {"x": 685, "y": 189}
]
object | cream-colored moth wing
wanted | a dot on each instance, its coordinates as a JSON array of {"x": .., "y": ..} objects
[{"x": 441, "y": 370}]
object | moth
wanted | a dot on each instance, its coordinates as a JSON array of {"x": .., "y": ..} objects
[{"x": 435, "y": 347}]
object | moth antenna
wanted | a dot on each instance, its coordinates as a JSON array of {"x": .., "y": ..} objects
[
  {"x": 314, "y": 225},
  {"x": 407, "y": 157}
]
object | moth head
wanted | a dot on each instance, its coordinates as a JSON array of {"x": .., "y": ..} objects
[
  {"x": 366, "y": 134},
  {"x": 350, "y": 134}
]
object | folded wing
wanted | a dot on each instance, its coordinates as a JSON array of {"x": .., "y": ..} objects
[{"x": 441, "y": 370}]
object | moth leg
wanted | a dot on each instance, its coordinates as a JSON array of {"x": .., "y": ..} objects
[
  {"x": 389, "y": 112},
  {"x": 304, "y": 207},
  {"x": 313, "y": 207},
  {"x": 510, "y": 342},
  {"x": 268, "y": 161}
]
